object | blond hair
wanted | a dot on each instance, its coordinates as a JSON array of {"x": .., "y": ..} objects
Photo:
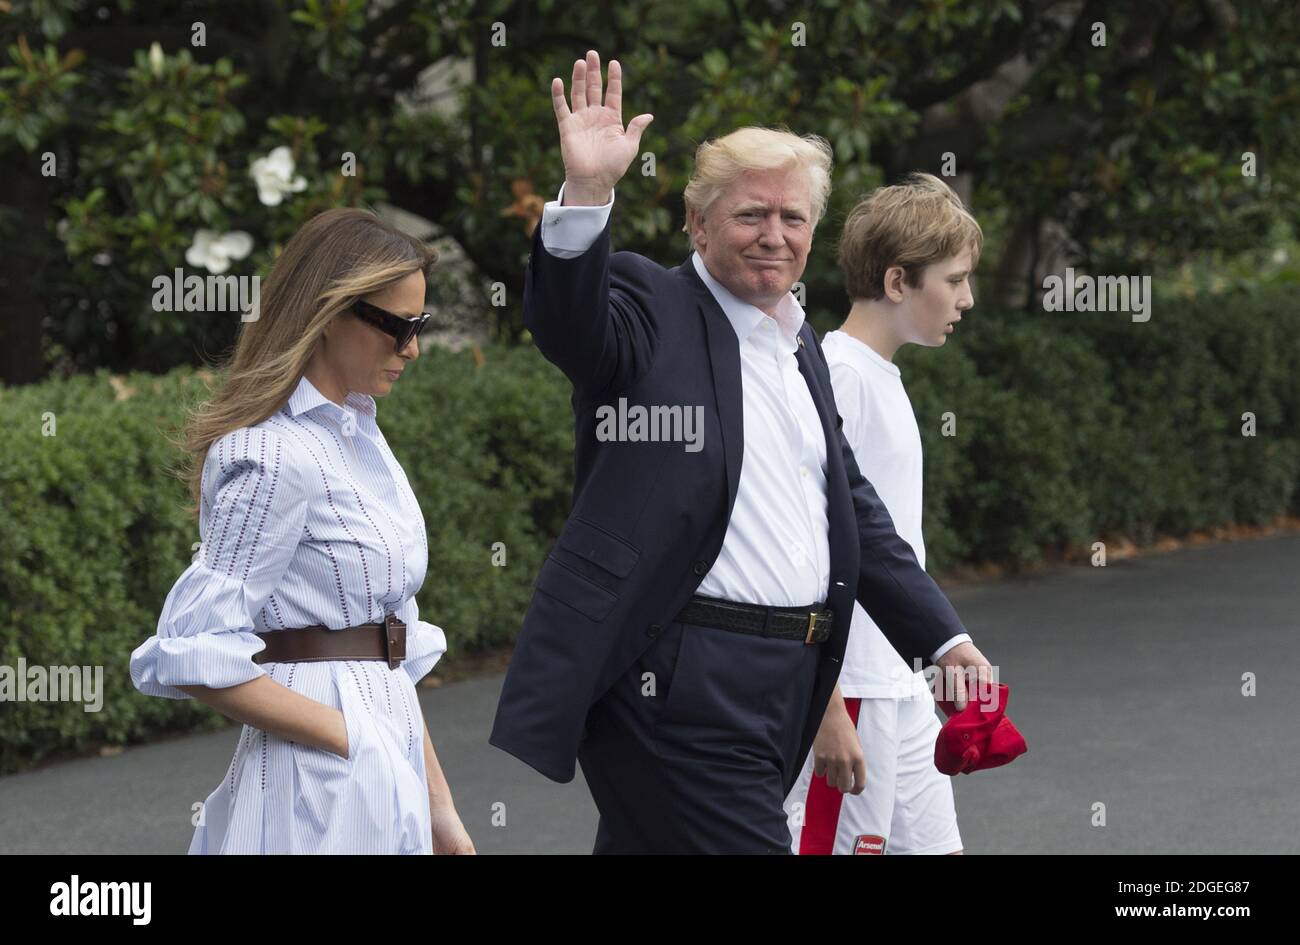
[
  {"x": 910, "y": 224},
  {"x": 333, "y": 259},
  {"x": 719, "y": 162}
]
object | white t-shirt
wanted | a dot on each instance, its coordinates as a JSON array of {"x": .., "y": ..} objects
[{"x": 880, "y": 428}]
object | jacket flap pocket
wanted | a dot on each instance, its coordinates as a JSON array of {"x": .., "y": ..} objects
[
  {"x": 569, "y": 587},
  {"x": 599, "y": 547}
]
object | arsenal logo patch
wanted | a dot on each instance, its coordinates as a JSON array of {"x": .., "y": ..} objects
[{"x": 868, "y": 843}]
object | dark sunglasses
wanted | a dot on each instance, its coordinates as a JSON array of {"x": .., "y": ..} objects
[{"x": 402, "y": 329}]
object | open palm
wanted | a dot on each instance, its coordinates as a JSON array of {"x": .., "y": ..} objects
[{"x": 593, "y": 142}]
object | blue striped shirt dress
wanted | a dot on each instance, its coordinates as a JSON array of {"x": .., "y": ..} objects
[{"x": 306, "y": 519}]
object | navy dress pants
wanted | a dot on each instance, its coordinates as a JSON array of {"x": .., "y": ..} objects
[{"x": 690, "y": 750}]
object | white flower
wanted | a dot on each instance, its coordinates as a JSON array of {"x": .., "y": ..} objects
[
  {"x": 213, "y": 251},
  {"x": 156, "y": 59},
  {"x": 274, "y": 176}
]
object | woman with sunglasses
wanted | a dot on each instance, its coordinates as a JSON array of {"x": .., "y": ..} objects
[{"x": 297, "y": 616}]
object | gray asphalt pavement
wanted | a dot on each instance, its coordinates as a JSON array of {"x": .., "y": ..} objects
[{"x": 1126, "y": 682}]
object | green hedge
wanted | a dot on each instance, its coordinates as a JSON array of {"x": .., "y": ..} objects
[
  {"x": 1078, "y": 427},
  {"x": 1069, "y": 428}
]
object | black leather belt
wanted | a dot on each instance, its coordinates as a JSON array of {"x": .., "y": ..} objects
[{"x": 810, "y": 624}]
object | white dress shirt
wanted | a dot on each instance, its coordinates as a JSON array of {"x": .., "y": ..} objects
[
  {"x": 777, "y": 547},
  {"x": 306, "y": 519}
]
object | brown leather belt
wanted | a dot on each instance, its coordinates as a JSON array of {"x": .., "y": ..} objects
[{"x": 370, "y": 641}]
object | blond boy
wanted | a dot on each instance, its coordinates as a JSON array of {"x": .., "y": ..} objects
[{"x": 870, "y": 785}]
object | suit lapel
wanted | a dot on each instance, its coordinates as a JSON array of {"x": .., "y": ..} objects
[
  {"x": 724, "y": 359},
  {"x": 837, "y": 514},
  {"x": 806, "y": 369},
  {"x": 834, "y": 462}
]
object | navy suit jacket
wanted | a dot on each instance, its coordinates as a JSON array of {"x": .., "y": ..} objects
[{"x": 649, "y": 518}]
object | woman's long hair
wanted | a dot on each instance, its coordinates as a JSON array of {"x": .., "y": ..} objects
[{"x": 335, "y": 258}]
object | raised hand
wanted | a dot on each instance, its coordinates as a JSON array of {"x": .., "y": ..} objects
[{"x": 595, "y": 147}]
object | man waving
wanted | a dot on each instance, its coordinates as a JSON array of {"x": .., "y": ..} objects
[{"x": 688, "y": 627}]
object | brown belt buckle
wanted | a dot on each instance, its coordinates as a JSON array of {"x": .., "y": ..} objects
[
  {"x": 394, "y": 640},
  {"x": 812, "y": 625}
]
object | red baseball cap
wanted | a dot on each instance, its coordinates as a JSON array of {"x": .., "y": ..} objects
[{"x": 979, "y": 736}]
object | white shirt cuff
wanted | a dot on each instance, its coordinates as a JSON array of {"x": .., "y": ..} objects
[
  {"x": 569, "y": 231},
  {"x": 959, "y": 638}
]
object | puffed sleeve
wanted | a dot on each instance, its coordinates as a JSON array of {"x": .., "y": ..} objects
[
  {"x": 425, "y": 643},
  {"x": 254, "y": 509}
]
